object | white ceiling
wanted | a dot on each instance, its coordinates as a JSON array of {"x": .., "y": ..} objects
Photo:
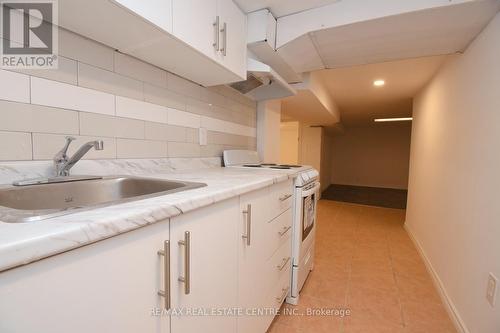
[
  {"x": 442, "y": 30},
  {"x": 281, "y": 8},
  {"x": 360, "y": 102}
]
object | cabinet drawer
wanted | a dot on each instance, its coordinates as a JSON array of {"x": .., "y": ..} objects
[
  {"x": 280, "y": 290},
  {"x": 278, "y": 266},
  {"x": 281, "y": 197},
  {"x": 278, "y": 232}
]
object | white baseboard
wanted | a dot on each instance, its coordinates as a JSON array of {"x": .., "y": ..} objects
[{"x": 450, "y": 307}]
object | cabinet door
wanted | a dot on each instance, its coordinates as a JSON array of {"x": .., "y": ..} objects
[
  {"x": 108, "y": 286},
  {"x": 193, "y": 23},
  {"x": 252, "y": 293},
  {"x": 158, "y": 12},
  {"x": 212, "y": 268},
  {"x": 234, "y": 38}
]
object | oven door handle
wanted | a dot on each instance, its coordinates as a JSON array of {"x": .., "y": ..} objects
[{"x": 311, "y": 191}]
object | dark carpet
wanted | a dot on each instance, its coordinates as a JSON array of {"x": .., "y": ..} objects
[{"x": 372, "y": 196}]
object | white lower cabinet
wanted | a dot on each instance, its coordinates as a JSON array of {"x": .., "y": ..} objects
[
  {"x": 108, "y": 286},
  {"x": 229, "y": 255},
  {"x": 208, "y": 239}
]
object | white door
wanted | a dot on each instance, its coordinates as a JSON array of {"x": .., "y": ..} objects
[
  {"x": 108, "y": 286},
  {"x": 193, "y": 23},
  {"x": 233, "y": 37},
  {"x": 208, "y": 241},
  {"x": 158, "y": 12}
]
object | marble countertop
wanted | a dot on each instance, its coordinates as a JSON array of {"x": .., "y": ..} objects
[{"x": 23, "y": 243}]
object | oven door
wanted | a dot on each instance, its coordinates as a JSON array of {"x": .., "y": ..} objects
[{"x": 308, "y": 202}]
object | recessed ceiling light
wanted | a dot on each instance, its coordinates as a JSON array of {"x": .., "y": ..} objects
[
  {"x": 381, "y": 120},
  {"x": 378, "y": 83}
]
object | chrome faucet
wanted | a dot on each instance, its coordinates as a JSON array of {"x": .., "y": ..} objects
[{"x": 63, "y": 163}]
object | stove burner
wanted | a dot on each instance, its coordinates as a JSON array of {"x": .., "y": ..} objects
[
  {"x": 268, "y": 164},
  {"x": 290, "y": 165},
  {"x": 252, "y": 165}
]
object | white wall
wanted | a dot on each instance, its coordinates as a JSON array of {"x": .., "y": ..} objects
[
  {"x": 289, "y": 142},
  {"x": 376, "y": 155},
  {"x": 268, "y": 130},
  {"x": 454, "y": 189}
]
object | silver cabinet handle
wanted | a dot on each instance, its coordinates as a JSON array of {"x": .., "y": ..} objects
[
  {"x": 187, "y": 262},
  {"x": 281, "y": 298},
  {"x": 165, "y": 293},
  {"x": 285, "y": 197},
  {"x": 224, "y": 43},
  {"x": 283, "y": 263},
  {"x": 216, "y": 25},
  {"x": 248, "y": 233},
  {"x": 285, "y": 230}
]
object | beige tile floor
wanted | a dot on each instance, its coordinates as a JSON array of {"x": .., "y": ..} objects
[{"x": 366, "y": 262}]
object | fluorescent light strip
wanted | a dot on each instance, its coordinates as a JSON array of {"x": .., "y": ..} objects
[{"x": 382, "y": 120}]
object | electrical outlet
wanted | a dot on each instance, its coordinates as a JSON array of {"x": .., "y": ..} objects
[{"x": 491, "y": 290}]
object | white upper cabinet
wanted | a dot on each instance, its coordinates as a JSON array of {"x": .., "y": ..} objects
[
  {"x": 194, "y": 22},
  {"x": 158, "y": 12},
  {"x": 233, "y": 36},
  {"x": 180, "y": 36}
]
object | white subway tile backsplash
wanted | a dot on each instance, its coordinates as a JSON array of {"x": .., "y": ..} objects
[
  {"x": 130, "y": 108},
  {"x": 192, "y": 135},
  {"x": 45, "y": 146},
  {"x": 102, "y": 125},
  {"x": 163, "y": 132},
  {"x": 85, "y": 50},
  {"x": 14, "y": 86},
  {"x": 183, "y": 149},
  {"x": 15, "y": 146},
  {"x": 183, "y": 86},
  {"x": 103, "y": 80},
  {"x": 211, "y": 150},
  {"x": 181, "y": 118},
  {"x": 128, "y": 148},
  {"x": 23, "y": 117},
  {"x": 66, "y": 72},
  {"x": 139, "y": 70},
  {"x": 165, "y": 97},
  {"x": 66, "y": 96},
  {"x": 227, "y": 127}
]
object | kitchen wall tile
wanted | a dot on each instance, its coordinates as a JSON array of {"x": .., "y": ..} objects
[
  {"x": 192, "y": 135},
  {"x": 14, "y": 86},
  {"x": 211, "y": 150},
  {"x": 45, "y": 146},
  {"x": 183, "y": 86},
  {"x": 228, "y": 139},
  {"x": 79, "y": 48},
  {"x": 23, "y": 117},
  {"x": 157, "y": 131},
  {"x": 128, "y": 148},
  {"x": 66, "y": 71},
  {"x": 15, "y": 146},
  {"x": 130, "y": 108},
  {"x": 227, "y": 127},
  {"x": 165, "y": 97},
  {"x": 129, "y": 128},
  {"x": 103, "y": 125},
  {"x": 233, "y": 95},
  {"x": 181, "y": 118},
  {"x": 139, "y": 70},
  {"x": 62, "y": 95},
  {"x": 103, "y": 80},
  {"x": 211, "y": 96},
  {"x": 183, "y": 149}
]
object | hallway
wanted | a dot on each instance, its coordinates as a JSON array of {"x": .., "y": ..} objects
[{"x": 367, "y": 264}]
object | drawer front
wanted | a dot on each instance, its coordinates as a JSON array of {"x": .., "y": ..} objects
[
  {"x": 278, "y": 266},
  {"x": 277, "y": 233},
  {"x": 281, "y": 197}
]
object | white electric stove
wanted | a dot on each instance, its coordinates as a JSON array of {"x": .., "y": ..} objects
[{"x": 306, "y": 195}]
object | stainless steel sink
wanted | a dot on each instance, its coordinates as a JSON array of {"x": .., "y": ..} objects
[{"x": 46, "y": 200}]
